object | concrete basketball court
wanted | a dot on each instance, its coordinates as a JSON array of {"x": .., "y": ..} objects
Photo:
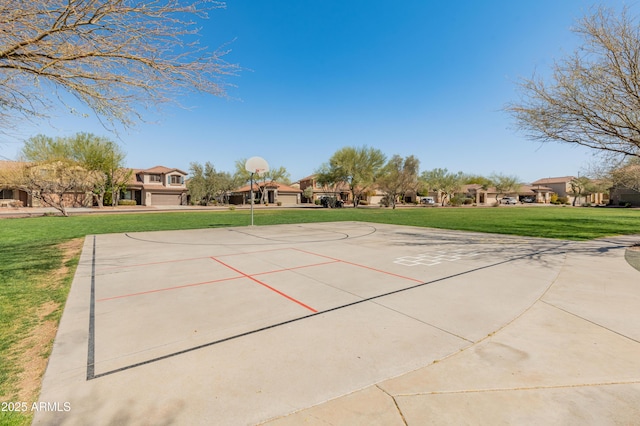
[{"x": 347, "y": 323}]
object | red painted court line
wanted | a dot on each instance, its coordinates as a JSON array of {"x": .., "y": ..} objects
[
  {"x": 151, "y": 263},
  {"x": 186, "y": 260},
  {"x": 265, "y": 285},
  {"x": 360, "y": 266},
  {"x": 168, "y": 288}
]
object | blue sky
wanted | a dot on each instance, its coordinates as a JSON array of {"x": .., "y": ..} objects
[{"x": 412, "y": 77}]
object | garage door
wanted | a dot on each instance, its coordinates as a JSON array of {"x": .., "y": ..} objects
[
  {"x": 288, "y": 198},
  {"x": 158, "y": 199}
]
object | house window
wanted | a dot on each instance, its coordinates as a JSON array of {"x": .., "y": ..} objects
[
  {"x": 6, "y": 194},
  {"x": 155, "y": 178},
  {"x": 318, "y": 185},
  {"x": 176, "y": 179}
]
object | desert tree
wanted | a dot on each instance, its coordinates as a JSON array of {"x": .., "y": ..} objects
[
  {"x": 592, "y": 98},
  {"x": 398, "y": 176},
  {"x": 358, "y": 168},
  {"x": 114, "y": 56},
  {"x": 580, "y": 186},
  {"x": 443, "y": 182},
  {"x": 504, "y": 184},
  {"x": 105, "y": 160},
  {"x": 207, "y": 184},
  {"x": 101, "y": 158},
  {"x": 308, "y": 193}
]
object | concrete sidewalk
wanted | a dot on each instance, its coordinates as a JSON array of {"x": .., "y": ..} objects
[{"x": 573, "y": 358}]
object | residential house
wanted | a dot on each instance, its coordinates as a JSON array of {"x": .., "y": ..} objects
[
  {"x": 274, "y": 193},
  {"x": 157, "y": 186},
  {"x": 487, "y": 195},
  {"x": 10, "y": 196},
  {"x": 627, "y": 177},
  {"x": 149, "y": 187},
  {"x": 623, "y": 196},
  {"x": 74, "y": 192},
  {"x": 340, "y": 190},
  {"x": 539, "y": 193},
  {"x": 562, "y": 187}
]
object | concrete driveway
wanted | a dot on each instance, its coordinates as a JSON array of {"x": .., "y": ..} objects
[{"x": 346, "y": 323}]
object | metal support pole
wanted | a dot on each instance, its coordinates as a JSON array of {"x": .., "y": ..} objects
[{"x": 251, "y": 198}]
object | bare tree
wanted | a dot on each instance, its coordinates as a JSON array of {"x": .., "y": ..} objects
[
  {"x": 113, "y": 55},
  {"x": 627, "y": 175},
  {"x": 55, "y": 183},
  {"x": 593, "y": 99}
]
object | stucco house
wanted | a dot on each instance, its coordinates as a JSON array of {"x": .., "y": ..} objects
[
  {"x": 623, "y": 196},
  {"x": 157, "y": 186},
  {"x": 10, "y": 196},
  {"x": 339, "y": 190},
  {"x": 562, "y": 187},
  {"x": 274, "y": 192}
]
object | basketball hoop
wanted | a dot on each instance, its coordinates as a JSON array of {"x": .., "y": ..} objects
[
  {"x": 259, "y": 166},
  {"x": 256, "y": 165}
]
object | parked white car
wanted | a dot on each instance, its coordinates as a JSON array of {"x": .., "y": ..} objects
[
  {"x": 509, "y": 200},
  {"x": 427, "y": 200}
]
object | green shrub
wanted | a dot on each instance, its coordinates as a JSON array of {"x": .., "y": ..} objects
[
  {"x": 279, "y": 203},
  {"x": 127, "y": 202},
  {"x": 232, "y": 208},
  {"x": 460, "y": 199},
  {"x": 363, "y": 202}
]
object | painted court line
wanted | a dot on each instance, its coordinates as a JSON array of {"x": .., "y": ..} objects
[
  {"x": 359, "y": 266},
  {"x": 91, "y": 374},
  {"x": 167, "y": 289},
  {"x": 265, "y": 285}
]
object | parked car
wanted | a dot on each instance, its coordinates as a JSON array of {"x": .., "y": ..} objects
[
  {"x": 528, "y": 199},
  {"x": 331, "y": 202},
  {"x": 427, "y": 200},
  {"x": 509, "y": 200}
]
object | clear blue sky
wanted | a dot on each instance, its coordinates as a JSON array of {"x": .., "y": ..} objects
[{"x": 408, "y": 77}]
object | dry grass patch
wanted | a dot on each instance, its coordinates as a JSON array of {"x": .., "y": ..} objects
[{"x": 28, "y": 356}]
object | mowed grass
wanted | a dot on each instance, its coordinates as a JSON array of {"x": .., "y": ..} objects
[{"x": 35, "y": 277}]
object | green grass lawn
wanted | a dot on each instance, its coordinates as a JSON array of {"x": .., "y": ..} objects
[{"x": 30, "y": 253}]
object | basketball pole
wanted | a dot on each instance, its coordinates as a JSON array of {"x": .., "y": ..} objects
[{"x": 251, "y": 198}]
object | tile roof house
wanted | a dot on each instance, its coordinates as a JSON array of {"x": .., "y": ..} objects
[
  {"x": 339, "y": 190},
  {"x": 559, "y": 185},
  {"x": 562, "y": 187},
  {"x": 157, "y": 186},
  {"x": 275, "y": 193}
]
